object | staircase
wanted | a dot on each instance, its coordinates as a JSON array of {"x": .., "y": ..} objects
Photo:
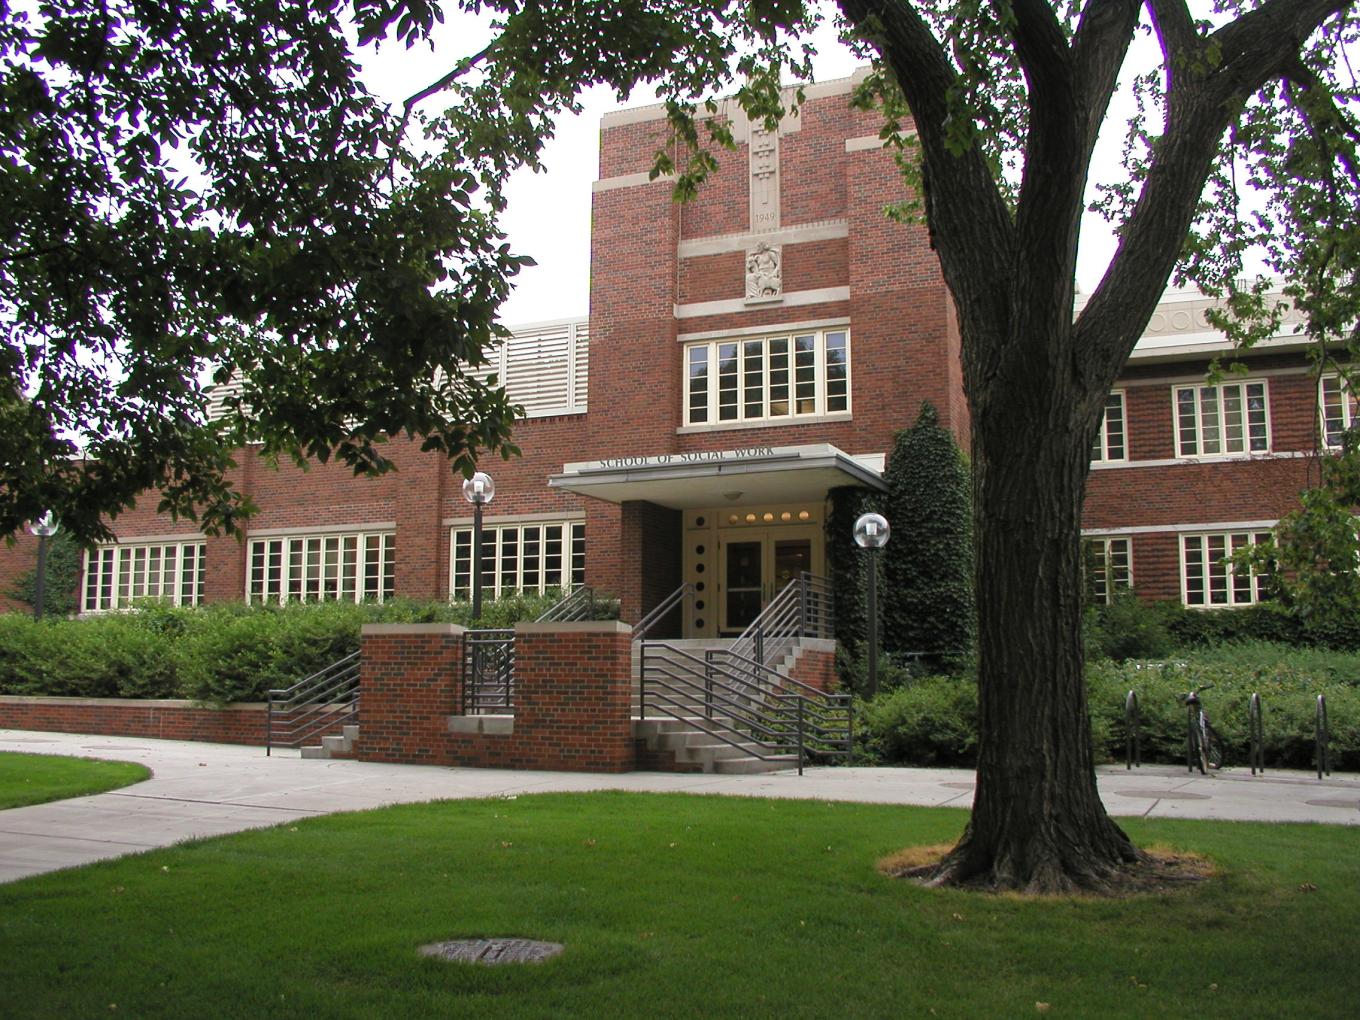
[{"x": 733, "y": 707}]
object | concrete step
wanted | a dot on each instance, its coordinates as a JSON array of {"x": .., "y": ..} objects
[{"x": 334, "y": 744}]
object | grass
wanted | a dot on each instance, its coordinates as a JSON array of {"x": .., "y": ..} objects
[
  {"x": 39, "y": 778},
  {"x": 670, "y": 906}
]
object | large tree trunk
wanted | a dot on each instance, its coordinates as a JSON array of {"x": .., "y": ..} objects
[{"x": 1038, "y": 822}]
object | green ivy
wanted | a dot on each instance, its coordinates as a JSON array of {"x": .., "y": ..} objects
[
  {"x": 929, "y": 612},
  {"x": 61, "y": 583}
]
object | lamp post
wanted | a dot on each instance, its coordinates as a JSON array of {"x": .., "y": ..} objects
[
  {"x": 479, "y": 490},
  {"x": 44, "y": 527},
  {"x": 871, "y": 532}
]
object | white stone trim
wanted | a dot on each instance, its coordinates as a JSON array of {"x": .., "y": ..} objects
[
  {"x": 180, "y": 539},
  {"x": 824, "y": 295},
  {"x": 803, "y": 233},
  {"x": 629, "y": 181},
  {"x": 570, "y": 517},
  {"x": 390, "y": 629},
  {"x": 574, "y": 627},
  {"x": 866, "y": 143},
  {"x": 1198, "y": 528},
  {"x": 319, "y": 530},
  {"x": 764, "y": 423},
  {"x": 1230, "y": 458},
  {"x": 839, "y": 322}
]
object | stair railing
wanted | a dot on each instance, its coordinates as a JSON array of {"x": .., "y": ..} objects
[
  {"x": 314, "y": 706},
  {"x": 489, "y": 655},
  {"x": 803, "y": 609},
  {"x": 744, "y": 704},
  {"x": 662, "y": 610}
]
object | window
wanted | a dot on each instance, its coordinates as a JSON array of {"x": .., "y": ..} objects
[
  {"x": 1108, "y": 568},
  {"x": 1109, "y": 444},
  {"x": 117, "y": 576},
  {"x": 319, "y": 568},
  {"x": 769, "y": 379},
  {"x": 519, "y": 557},
  {"x": 1210, "y": 579},
  {"x": 1213, "y": 421},
  {"x": 1338, "y": 410}
]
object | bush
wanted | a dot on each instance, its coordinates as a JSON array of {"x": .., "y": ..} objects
[
  {"x": 216, "y": 654},
  {"x": 931, "y": 721},
  {"x": 1127, "y": 628}
]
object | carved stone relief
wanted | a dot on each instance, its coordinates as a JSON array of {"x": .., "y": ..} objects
[
  {"x": 764, "y": 180},
  {"x": 764, "y": 273}
]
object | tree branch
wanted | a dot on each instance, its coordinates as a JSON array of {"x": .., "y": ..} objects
[
  {"x": 1175, "y": 34},
  {"x": 434, "y": 88},
  {"x": 1255, "y": 48}
]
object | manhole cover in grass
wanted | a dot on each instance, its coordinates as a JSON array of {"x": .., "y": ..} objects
[
  {"x": 958, "y": 786},
  {"x": 1341, "y": 802},
  {"x": 1161, "y": 795},
  {"x": 492, "y": 952}
]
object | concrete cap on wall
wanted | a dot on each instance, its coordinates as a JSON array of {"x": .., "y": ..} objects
[
  {"x": 575, "y": 627},
  {"x": 392, "y": 629}
]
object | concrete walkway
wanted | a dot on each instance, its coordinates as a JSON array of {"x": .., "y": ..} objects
[{"x": 211, "y": 789}]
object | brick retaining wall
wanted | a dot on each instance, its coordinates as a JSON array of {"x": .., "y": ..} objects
[{"x": 242, "y": 723}]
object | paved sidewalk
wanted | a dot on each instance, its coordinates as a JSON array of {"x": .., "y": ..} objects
[{"x": 211, "y": 789}]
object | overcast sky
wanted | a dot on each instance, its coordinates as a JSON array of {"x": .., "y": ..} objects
[{"x": 549, "y": 213}]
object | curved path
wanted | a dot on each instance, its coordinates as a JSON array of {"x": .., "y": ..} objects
[{"x": 211, "y": 789}]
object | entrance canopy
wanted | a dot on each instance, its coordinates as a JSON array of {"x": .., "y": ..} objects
[{"x": 706, "y": 478}]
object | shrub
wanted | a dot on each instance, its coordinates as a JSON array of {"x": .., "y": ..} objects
[
  {"x": 929, "y": 608},
  {"x": 931, "y": 721},
  {"x": 1127, "y": 628}
]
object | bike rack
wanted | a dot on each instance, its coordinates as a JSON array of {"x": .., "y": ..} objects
[
  {"x": 1322, "y": 738},
  {"x": 1191, "y": 737},
  {"x": 1256, "y": 743},
  {"x": 1133, "y": 751}
]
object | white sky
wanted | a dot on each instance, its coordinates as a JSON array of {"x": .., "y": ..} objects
[{"x": 548, "y": 217}]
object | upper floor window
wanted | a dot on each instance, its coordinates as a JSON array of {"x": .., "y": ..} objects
[
  {"x": 767, "y": 379},
  {"x": 520, "y": 557},
  {"x": 1108, "y": 565},
  {"x": 1109, "y": 444},
  {"x": 317, "y": 568},
  {"x": 1213, "y": 421},
  {"x": 116, "y": 576},
  {"x": 1210, "y": 578},
  {"x": 1338, "y": 409}
]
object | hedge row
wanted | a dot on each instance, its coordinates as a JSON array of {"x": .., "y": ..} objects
[
  {"x": 934, "y": 720},
  {"x": 216, "y": 654}
]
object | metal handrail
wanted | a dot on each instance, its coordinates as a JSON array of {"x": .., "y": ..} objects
[
  {"x": 804, "y": 608},
  {"x": 1255, "y": 740},
  {"x": 661, "y": 610},
  {"x": 1133, "y": 751},
  {"x": 326, "y": 699},
  {"x": 578, "y": 604},
  {"x": 1322, "y": 738},
  {"x": 772, "y": 718}
]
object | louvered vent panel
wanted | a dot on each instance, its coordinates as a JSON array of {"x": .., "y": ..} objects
[
  {"x": 537, "y": 370},
  {"x": 581, "y": 369}
]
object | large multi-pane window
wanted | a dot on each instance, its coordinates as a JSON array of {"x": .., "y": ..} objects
[
  {"x": 1338, "y": 409},
  {"x": 351, "y": 566},
  {"x": 1208, "y": 575},
  {"x": 118, "y": 576},
  {"x": 1109, "y": 444},
  {"x": 520, "y": 557},
  {"x": 1108, "y": 565},
  {"x": 767, "y": 378},
  {"x": 1214, "y": 421}
]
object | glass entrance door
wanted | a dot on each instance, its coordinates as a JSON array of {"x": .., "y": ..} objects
[{"x": 757, "y": 567}]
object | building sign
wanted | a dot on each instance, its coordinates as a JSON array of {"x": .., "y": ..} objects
[{"x": 692, "y": 457}]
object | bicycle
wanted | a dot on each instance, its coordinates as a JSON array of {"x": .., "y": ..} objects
[{"x": 1202, "y": 744}]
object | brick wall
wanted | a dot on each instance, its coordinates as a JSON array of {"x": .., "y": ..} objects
[
  {"x": 816, "y": 665},
  {"x": 163, "y": 720},
  {"x": 573, "y": 699}
]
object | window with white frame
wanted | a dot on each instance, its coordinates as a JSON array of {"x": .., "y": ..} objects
[
  {"x": 760, "y": 379},
  {"x": 1210, "y": 578},
  {"x": 118, "y": 576},
  {"x": 1215, "y": 421},
  {"x": 349, "y": 566},
  {"x": 1109, "y": 444},
  {"x": 532, "y": 556},
  {"x": 1338, "y": 409},
  {"x": 1108, "y": 563}
]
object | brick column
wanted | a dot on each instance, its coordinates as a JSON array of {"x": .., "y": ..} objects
[
  {"x": 409, "y": 685},
  {"x": 574, "y": 695}
]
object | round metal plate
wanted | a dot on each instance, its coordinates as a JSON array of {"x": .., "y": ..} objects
[{"x": 492, "y": 952}]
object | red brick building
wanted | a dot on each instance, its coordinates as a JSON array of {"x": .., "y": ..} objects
[{"x": 746, "y": 353}]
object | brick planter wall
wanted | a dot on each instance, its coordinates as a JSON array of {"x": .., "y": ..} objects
[
  {"x": 573, "y": 703},
  {"x": 125, "y": 717},
  {"x": 816, "y": 666},
  {"x": 409, "y": 685}
]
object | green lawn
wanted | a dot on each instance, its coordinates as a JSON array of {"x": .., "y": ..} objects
[
  {"x": 38, "y": 778},
  {"x": 670, "y": 906}
]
